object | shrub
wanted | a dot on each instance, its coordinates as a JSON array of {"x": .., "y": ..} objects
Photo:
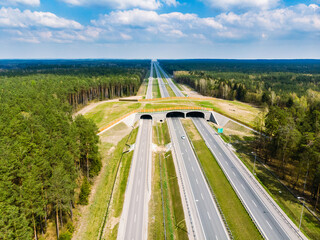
[{"x": 84, "y": 192}]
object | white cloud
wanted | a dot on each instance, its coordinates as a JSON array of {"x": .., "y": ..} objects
[
  {"x": 23, "y": 2},
  {"x": 119, "y": 4},
  {"x": 143, "y": 25},
  {"x": 241, "y": 4},
  {"x": 278, "y": 22},
  {"x": 24, "y": 19},
  {"x": 149, "y": 25}
]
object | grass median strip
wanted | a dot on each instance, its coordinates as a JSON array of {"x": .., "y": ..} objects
[
  {"x": 166, "y": 206},
  {"x": 236, "y": 216}
]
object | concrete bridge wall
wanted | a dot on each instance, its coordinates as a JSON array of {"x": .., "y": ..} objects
[{"x": 161, "y": 116}]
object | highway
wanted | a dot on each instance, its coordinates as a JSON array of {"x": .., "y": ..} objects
[
  {"x": 202, "y": 213},
  {"x": 134, "y": 217},
  {"x": 205, "y": 219},
  {"x": 174, "y": 88},
  {"x": 163, "y": 90},
  {"x": 149, "y": 89},
  {"x": 269, "y": 220}
]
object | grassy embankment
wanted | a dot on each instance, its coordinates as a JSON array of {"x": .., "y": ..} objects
[
  {"x": 111, "y": 228},
  {"x": 164, "y": 172},
  {"x": 110, "y": 111},
  {"x": 236, "y": 216},
  {"x": 90, "y": 218}
]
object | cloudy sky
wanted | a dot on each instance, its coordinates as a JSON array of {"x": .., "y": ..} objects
[{"x": 159, "y": 29}]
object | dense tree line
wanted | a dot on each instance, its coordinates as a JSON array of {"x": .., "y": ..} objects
[
  {"x": 293, "y": 142},
  {"x": 269, "y": 88},
  {"x": 44, "y": 152},
  {"x": 244, "y": 66}
]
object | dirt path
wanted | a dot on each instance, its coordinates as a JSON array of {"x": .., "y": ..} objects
[{"x": 190, "y": 92}]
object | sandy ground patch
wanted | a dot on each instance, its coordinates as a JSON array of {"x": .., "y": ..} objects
[
  {"x": 115, "y": 134},
  {"x": 190, "y": 92}
]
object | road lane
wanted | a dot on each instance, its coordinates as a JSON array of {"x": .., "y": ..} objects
[
  {"x": 149, "y": 89},
  {"x": 163, "y": 90},
  {"x": 174, "y": 88},
  {"x": 204, "y": 214},
  {"x": 270, "y": 222},
  {"x": 134, "y": 217}
]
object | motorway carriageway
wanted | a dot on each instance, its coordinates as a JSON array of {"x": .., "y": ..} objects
[
  {"x": 174, "y": 88},
  {"x": 201, "y": 213},
  {"x": 206, "y": 222},
  {"x": 134, "y": 218},
  {"x": 270, "y": 222},
  {"x": 149, "y": 89}
]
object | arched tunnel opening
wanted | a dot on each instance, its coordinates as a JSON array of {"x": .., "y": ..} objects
[
  {"x": 145, "y": 116},
  {"x": 195, "y": 114},
  {"x": 175, "y": 114}
]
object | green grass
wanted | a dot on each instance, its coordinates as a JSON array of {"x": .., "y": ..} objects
[
  {"x": 155, "y": 228},
  {"x": 236, "y": 216},
  {"x": 110, "y": 111},
  {"x": 178, "y": 214},
  {"x": 155, "y": 89},
  {"x": 174, "y": 215}
]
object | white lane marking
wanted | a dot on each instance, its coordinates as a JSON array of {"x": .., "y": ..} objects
[
  {"x": 269, "y": 224},
  {"x": 227, "y": 163},
  {"x": 140, "y": 169},
  {"x": 202, "y": 196},
  {"x": 254, "y": 203},
  {"x": 192, "y": 169},
  {"x": 135, "y": 217},
  {"x": 209, "y": 215},
  {"x": 139, "y": 182},
  {"x": 217, "y": 237},
  {"x": 197, "y": 181},
  {"x": 233, "y": 173},
  {"x": 242, "y": 186},
  {"x": 137, "y": 197},
  {"x": 220, "y": 154}
]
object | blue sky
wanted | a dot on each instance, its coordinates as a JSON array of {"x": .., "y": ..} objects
[{"x": 241, "y": 29}]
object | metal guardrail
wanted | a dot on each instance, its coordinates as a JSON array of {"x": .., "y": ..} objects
[{"x": 211, "y": 190}]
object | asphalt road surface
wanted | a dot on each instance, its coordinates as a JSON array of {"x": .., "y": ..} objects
[
  {"x": 134, "y": 218},
  {"x": 174, "y": 88},
  {"x": 149, "y": 89},
  {"x": 267, "y": 219},
  {"x": 204, "y": 214},
  {"x": 163, "y": 90}
]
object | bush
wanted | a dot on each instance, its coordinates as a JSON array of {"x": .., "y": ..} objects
[
  {"x": 65, "y": 236},
  {"x": 84, "y": 192},
  {"x": 70, "y": 227}
]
